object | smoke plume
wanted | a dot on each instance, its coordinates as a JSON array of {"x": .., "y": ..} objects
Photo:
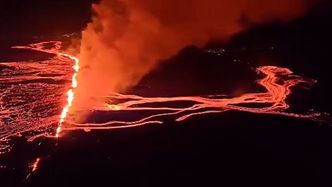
[{"x": 127, "y": 38}]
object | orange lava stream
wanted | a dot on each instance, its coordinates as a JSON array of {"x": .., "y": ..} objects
[
  {"x": 277, "y": 82},
  {"x": 70, "y": 93}
]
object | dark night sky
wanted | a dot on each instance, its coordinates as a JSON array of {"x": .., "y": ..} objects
[
  {"x": 20, "y": 18},
  {"x": 26, "y": 18}
]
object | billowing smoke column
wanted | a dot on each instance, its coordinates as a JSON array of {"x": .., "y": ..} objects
[{"x": 127, "y": 38}]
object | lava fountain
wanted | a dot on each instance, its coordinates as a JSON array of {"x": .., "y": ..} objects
[{"x": 70, "y": 93}]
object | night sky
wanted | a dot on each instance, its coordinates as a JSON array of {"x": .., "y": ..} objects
[{"x": 22, "y": 19}]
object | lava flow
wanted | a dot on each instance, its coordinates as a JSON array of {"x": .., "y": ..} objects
[
  {"x": 32, "y": 91},
  {"x": 70, "y": 93},
  {"x": 277, "y": 81}
]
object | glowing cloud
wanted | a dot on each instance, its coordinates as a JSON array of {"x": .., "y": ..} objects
[{"x": 126, "y": 38}]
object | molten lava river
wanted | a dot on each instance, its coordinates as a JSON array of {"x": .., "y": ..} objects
[{"x": 36, "y": 97}]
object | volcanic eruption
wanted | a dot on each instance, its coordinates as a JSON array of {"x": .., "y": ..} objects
[
  {"x": 124, "y": 42},
  {"x": 127, "y": 39},
  {"x": 97, "y": 83}
]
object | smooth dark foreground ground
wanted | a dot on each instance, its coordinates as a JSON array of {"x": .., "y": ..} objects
[{"x": 231, "y": 149}]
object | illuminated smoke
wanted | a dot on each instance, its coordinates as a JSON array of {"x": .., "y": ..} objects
[{"x": 127, "y": 38}]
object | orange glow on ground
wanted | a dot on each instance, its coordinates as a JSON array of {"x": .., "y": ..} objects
[{"x": 74, "y": 83}]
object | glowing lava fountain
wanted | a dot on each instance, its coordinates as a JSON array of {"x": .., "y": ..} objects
[{"x": 70, "y": 93}]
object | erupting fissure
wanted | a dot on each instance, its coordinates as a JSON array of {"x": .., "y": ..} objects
[{"x": 70, "y": 93}]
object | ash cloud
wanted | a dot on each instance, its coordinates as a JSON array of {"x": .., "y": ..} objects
[{"x": 128, "y": 38}]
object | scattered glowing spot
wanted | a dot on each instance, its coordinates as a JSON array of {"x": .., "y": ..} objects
[
  {"x": 115, "y": 107},
  {"x": 34, "y": 167}
]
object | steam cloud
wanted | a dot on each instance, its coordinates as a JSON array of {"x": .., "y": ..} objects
[{"x": 127, "y": 38}]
